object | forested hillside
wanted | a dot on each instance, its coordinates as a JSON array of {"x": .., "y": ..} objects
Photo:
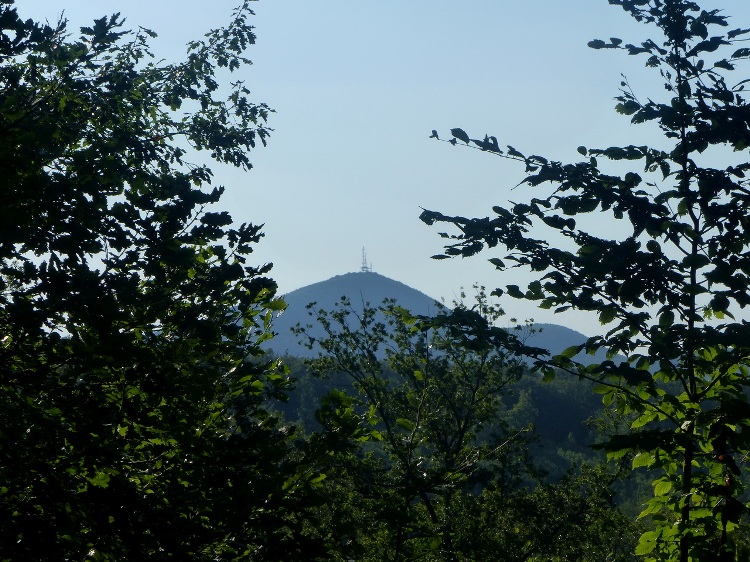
[{"x": 452, "y": 437}]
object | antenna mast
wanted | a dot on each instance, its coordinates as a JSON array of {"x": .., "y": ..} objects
[{"x": 365, "y": 267}]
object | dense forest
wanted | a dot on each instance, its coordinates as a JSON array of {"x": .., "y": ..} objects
[{"x": 142, "y": 417}]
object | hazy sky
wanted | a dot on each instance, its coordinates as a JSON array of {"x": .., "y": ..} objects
[{"x": 358, "y": 85}]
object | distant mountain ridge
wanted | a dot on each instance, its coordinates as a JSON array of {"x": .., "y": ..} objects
[{"x": 370, "y": 287}]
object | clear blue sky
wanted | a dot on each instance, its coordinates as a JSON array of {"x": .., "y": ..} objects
[{"x": 357, "y": 87}]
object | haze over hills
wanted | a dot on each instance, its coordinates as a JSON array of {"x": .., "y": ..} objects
[{"x": 369, "y": 287}]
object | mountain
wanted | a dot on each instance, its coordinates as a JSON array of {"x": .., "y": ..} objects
[
  {"x": 361, "y": 287},
  {"x": 373, "y": 288}
]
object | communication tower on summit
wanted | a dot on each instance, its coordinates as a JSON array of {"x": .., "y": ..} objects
[{"x": 365, "y": 267}]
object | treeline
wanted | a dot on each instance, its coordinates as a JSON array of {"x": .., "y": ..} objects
[{"x": 458, "y": 451}]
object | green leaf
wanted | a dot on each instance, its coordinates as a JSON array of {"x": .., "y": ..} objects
[
  {"x": 607, "y": 315},
  {"x": 571, "y": 351},
  {"x": 628, "y": 107},
  {"x": 461, "y": 135},
  {"x": 514, "y": 291},
  {"x": 737, "y": 32},
  {"x": 646, "y": 543},
  {"x": 276, "y": 305},
  {"x": 662, "y": 487},
  {"x": 643, "y": 459},
  {"x": 100, "y": 480},
  {"x": 666, "y": 319},
  {"x": 406, "y": 424},
  {"x": 696, "y": 260}
]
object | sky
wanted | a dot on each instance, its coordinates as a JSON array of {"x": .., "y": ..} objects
[{"x": 358, "y": 85}]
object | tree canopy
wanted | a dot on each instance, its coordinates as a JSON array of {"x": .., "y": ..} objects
[
  {"x": 441, "y": 467},
  {"x": 671, "y": 289},
  {"x": 133, "y": 417}
]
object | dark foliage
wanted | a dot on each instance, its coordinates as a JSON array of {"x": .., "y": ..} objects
[
  {"x": 668, "y": 286},
  {"x": 132, "y": 427}
]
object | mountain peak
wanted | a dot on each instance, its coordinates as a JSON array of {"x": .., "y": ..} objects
[
  {"x": 368, "y": 285},
  {"x": 361, "y": 287}
]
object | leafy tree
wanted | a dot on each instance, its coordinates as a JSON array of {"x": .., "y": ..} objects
[
  {"x": 426, "y": 395},
  {"x": 573, "y": 519},
  {"x": 439, "y": 473},
  {"x": 132, "y": 425},
  {"x": 668, "y": 287}
]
